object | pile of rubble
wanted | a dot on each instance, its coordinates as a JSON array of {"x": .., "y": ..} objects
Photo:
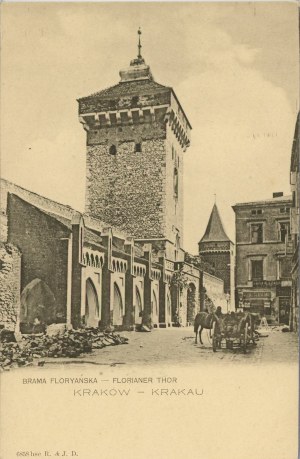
[{"x": 66, "y": 343}]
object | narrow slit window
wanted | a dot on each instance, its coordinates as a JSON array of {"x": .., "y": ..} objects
[
  {"x": 138, "y": 148},
  {"x": 175, "y": 184},
  {"x": 112, "y": 150}
]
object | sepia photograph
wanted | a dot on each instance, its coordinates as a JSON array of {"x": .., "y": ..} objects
[{"x": 149, "y": 298}]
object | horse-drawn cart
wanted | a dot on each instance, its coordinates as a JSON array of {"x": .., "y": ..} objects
[{"x": 235, "y": 329}]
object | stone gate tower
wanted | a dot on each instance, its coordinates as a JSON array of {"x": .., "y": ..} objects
[
  {"x": 137, "y": 132},
  {"x": 216, "y": 248}
]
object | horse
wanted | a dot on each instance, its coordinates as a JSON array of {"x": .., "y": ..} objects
[{"x": 204, "y": 320}]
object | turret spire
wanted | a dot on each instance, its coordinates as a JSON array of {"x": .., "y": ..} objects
[
  {"x": 215, "y": 231},
  {"x": 139, "y": 44},
  {"x": 138, "y": 69}
]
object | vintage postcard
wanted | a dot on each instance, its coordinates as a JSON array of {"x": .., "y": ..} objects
[{"x": 149, "y": 302}]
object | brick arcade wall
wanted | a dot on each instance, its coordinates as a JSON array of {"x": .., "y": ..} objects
[
  {"x": 10, "y": 278},
  {"x": 41, "y": 240}
]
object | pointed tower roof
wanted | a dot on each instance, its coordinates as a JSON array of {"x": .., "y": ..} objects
[{"x": 215, "y": 230}]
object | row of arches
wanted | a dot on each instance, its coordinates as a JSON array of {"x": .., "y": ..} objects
[
  {"x": 139, "y": 270},
  {"x": 90, "y": 259},
  {"x": 119, "y": 265},
  {"x": 38, "y": 301}
]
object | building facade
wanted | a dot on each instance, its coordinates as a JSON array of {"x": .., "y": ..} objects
[
  {"x": 216, "y": 249},
  {"x": 295, "y": 188},
  {"x": 263, "y": 256}
]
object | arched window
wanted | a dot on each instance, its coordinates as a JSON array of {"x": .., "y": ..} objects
[
  {"x": 38, "y": 301},
  {"x": 112, "y": 150}
]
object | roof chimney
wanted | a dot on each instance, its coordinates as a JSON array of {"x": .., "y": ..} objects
[{"x": 278, "y": 194}]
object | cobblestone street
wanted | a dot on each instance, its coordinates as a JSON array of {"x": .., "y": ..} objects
[{"x": 176, "y": 346}]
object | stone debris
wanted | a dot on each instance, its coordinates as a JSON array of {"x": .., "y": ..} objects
[
  {"x": 71, "y": 343},
  {"x": 56, "y": 329}
]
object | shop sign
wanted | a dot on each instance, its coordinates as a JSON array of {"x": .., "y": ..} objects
[
  {"x": 266, "y": 283},
  {"x": 250, "y": 295}
]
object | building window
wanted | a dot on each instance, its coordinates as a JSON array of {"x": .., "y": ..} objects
[
  {"x": 113, "y": 119},
  {"x": 257, "y": 233},
  {"x": 285, "y": 268},
  {"x": 112, "y": 150},
  {"x": 256, "y": 212},
  {"x": 284, "y": 231},
  {"x": 138, "y": 148},
  {"x": 176, "y": 182},
  {"x": 257, "y": 270},
  {"x": 284, "y": 210}
]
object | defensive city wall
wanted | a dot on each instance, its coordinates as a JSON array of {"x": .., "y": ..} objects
[{"x": 64, "y": 267}]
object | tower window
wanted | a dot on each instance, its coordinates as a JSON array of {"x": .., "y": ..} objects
[
  {"x": 112, "y": 150},
  {"x": 176, "y": 182},
  {"x": 138, "y": 147}
]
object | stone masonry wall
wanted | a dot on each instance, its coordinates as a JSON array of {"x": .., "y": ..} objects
[
  {"x": 127, "y": 189},
  {"x": 214, "y": 289},
  {"x": 174, "y": 205},
  {"x": 10, "y": 277},
  {"x": 34, "y": 198},
  {"x": 43, "y": 243},
  {"x": 221, "y": 263}
]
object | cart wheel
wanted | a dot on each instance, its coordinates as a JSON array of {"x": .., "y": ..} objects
[
  {"x": 214, "y": 338},
  {"x": 245, "y": 338}
]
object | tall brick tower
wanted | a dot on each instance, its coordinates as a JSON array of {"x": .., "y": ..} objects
[
  {"x": 216, "y": 248},
  {"x": 137, "y": 132}
]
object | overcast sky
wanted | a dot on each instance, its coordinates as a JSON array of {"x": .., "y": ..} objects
[{"x": 233, "y": 66}]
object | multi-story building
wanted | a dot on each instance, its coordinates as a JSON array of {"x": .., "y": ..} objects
[
  {"x": 295, "y": 184},
  {"x": 263, "y": 256},
  {"x": 216, "y": 249}
]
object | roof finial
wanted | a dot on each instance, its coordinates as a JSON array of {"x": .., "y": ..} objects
[
  {"x": 215, "y": 195},
  {"x": 139, "y": 45}
]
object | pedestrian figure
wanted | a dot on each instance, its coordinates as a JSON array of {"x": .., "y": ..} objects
[{"x": 219, "y": 312}]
